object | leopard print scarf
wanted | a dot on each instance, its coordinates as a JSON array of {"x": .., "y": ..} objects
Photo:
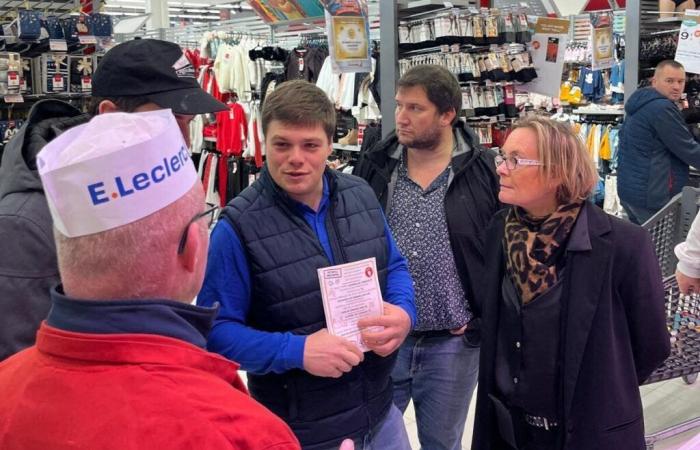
[{"x": 534, "y": 247}]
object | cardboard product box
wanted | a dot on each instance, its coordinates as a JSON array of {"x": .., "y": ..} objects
[
  {"x": 55, "y": 74},
  {"x": 10, "y": 73},
  {"x": 27, "y": 86},
  {"x": 81, "y": 70}
]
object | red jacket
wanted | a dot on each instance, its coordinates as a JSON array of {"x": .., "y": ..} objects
[{"x": 129, "y": 391}]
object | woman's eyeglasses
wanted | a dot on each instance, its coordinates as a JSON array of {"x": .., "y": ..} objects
[
  {"x": 512, "y": 162},
  {"x": 211, "y": 213}
]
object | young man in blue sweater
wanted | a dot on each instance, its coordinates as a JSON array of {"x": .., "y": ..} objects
[{"x": 263, "y": 260}]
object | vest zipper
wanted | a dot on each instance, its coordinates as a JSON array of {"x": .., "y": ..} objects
[{"x": 336, "y": 234}]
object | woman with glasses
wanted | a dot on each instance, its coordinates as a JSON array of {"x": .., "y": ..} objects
[{"x": 571, "y": 307}]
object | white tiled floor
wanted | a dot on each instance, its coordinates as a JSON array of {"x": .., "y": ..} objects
[{"x": 666, "y": 404}]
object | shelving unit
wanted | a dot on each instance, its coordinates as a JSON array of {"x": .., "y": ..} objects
[
  {"x": 346, "y": 148},
  {"x": 642, "y": 20},
  {"x": 391, "y": 13}
]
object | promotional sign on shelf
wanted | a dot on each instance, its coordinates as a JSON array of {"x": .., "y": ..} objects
[
  {"x": 688, "y": 50},
  {"x": 548, "y": 47},
  {"x": 602, "y": 41},
  {"x": 348, "y": 31}
]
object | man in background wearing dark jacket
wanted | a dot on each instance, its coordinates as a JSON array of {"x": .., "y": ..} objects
[
  {"x": 656, "y": 146},
  {"x": 434, "y": 183},
  {"x": 140, "y": 75}
]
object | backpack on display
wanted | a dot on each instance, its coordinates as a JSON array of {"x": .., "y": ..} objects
[{"x": 29, "y": 25}]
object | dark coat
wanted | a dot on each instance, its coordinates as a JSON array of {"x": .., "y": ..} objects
[
  {"x": 28, "y": 267},
  {"x": 656, "y": 149},
  {"x": 470, "y": 202},
  {"x": 613, "y": 334}
]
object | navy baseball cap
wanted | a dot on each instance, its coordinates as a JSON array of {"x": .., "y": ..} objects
[{"x": 154, "y": 69}]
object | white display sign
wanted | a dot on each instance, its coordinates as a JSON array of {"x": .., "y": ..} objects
[
  {"x": 548, "y": 48},
  {"x": 688, "y": 50},
  {"x": 58, "y": 45},
  {"x": 603, "y": 57},
  {"x": 348, "y": 36}
]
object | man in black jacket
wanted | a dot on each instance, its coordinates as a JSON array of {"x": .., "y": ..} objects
[
  {"x": 141, "y": 75},
  {"x": 435, "y": 182}
]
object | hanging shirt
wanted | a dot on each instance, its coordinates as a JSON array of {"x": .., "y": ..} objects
[
  {"x": 231, "y": 130},
  {"x": 223, "y": 67},
  {"x": 617, "y": 77},
  {"x": 592, "y": 84},
  {"x": 328, "y": 81},
  {"x": 414, "y": 214},
  {"x": 255, "y": 145},
  {"x": 197, "y": 134},
  {"x": 605, "y": 149}
]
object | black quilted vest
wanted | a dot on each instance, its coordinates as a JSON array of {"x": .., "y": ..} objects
[{"x": 283, "y": 253}]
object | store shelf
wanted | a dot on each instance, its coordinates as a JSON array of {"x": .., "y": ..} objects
[
  {"x": 30, "y": 98},
  {"x": 347, "y": 148},
  {"x": 669, "y": 19},
  {"x": 600, "y": 112},
  {"x": 416, "y": 5}
]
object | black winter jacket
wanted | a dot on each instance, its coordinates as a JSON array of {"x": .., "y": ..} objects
[
  {"x": 28, "y": 266},
  {"x": 470, "y": 202},
  {"x": 612, "y": 330}
]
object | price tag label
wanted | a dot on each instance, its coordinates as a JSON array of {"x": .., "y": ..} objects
[
  {"x": 13, "y": 79},
  {"x": 58, "y": 45},
  {"x": 86, "y": 83},
  {"x": 688, "y": 50},
  {"x": 15, "y": 98},
  {"x": 58, "y": 82},
  {"x": 23, "y": 85},
  {"x": 87, "y": 39}
]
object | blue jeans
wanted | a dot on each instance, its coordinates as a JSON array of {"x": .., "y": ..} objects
[
  {"x": 389, "y": 434},
  {"x": 439, "y": 373}
]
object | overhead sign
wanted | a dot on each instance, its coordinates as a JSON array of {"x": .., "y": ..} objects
[
  {"x": 272, "y": 11},
  {"x": 348, "y": 31}
]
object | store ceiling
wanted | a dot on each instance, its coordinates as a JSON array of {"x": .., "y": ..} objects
[
  {"x": 186, "y": 12},
  {"x": 57, "y": 7},
  {"x": 183, "y": 11}
]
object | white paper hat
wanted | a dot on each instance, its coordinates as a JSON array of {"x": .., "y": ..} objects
[{"x": 114, "y": 170}]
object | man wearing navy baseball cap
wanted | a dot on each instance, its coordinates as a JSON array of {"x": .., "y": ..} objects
[
  {"x": 135, "y": 76},
  {"x": 146, "y": 75}
]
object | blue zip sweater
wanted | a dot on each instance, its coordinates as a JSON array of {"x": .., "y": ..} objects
[
  {"x": 656, "y": 149},
  {"x": 227, "y": 281}
]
